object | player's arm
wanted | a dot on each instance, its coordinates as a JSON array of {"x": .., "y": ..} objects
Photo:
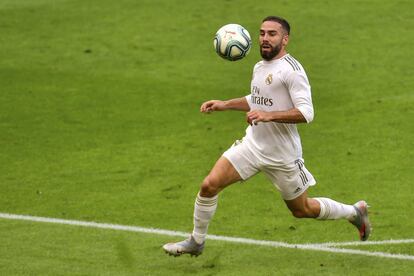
[
  {"x": 300, "y": 94},
  {"x": 217, "y": 105},
  {"x": 291, "y": 116}
]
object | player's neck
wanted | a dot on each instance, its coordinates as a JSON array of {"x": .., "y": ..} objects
[{"x": 281, "y": 54}]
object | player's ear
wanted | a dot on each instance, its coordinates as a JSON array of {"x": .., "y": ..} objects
[{"x": 285, "y": 39}]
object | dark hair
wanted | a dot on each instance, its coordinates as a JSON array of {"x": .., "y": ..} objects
[{"x": 280, "y": 20}]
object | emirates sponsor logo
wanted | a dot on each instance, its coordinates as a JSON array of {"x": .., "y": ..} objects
[{"x": 260, "y": 100}]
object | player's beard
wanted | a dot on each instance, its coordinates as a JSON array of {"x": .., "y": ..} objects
[{"x": 274, "y": 51}]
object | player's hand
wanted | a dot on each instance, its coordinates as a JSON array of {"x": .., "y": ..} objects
[
  {"x": 255, "y": 116},
  {"x": 213, "y": 105}
]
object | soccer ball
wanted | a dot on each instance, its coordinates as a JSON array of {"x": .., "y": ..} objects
[{"x": 232, "y": 42}]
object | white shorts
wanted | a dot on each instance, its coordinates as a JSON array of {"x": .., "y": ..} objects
[{"x": 290, "y": 179}]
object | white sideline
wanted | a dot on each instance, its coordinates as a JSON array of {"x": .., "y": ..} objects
[
  {"x": 326, "y": 247},
  {"x": 357, "y": 243}
]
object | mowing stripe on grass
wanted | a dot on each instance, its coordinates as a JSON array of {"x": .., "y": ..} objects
[{"x": 315, "y": 247}]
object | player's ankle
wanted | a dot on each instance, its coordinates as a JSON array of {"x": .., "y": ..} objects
[{"x": 198, "y": 238}]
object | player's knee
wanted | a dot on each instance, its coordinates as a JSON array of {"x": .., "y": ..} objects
[{"x": 209, "y": 187}]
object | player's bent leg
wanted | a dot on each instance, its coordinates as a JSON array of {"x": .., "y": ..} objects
[
  {"x": 326, "y": 208},
  {"x": 222, "y": 175}
]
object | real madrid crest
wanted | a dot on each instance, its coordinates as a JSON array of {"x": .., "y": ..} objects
[{"x": 269, "y": 79}]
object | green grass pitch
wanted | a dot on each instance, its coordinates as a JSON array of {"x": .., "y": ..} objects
[{"x": 99, "y": 121}]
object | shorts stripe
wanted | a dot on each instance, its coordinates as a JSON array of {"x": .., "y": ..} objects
[
  {"x": 302, "y": 174},
  {"x": 303, "y": 180}
]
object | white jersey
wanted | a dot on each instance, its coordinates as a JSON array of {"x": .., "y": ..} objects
[{"x": 278, "y": 85}]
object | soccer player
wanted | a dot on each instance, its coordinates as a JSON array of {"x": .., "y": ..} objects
[{"x": 280, "y": 98}]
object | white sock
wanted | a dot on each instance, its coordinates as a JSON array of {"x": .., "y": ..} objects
[
  {"x": 331, "y": 209},
  {"x": 204, "y": 209}
]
